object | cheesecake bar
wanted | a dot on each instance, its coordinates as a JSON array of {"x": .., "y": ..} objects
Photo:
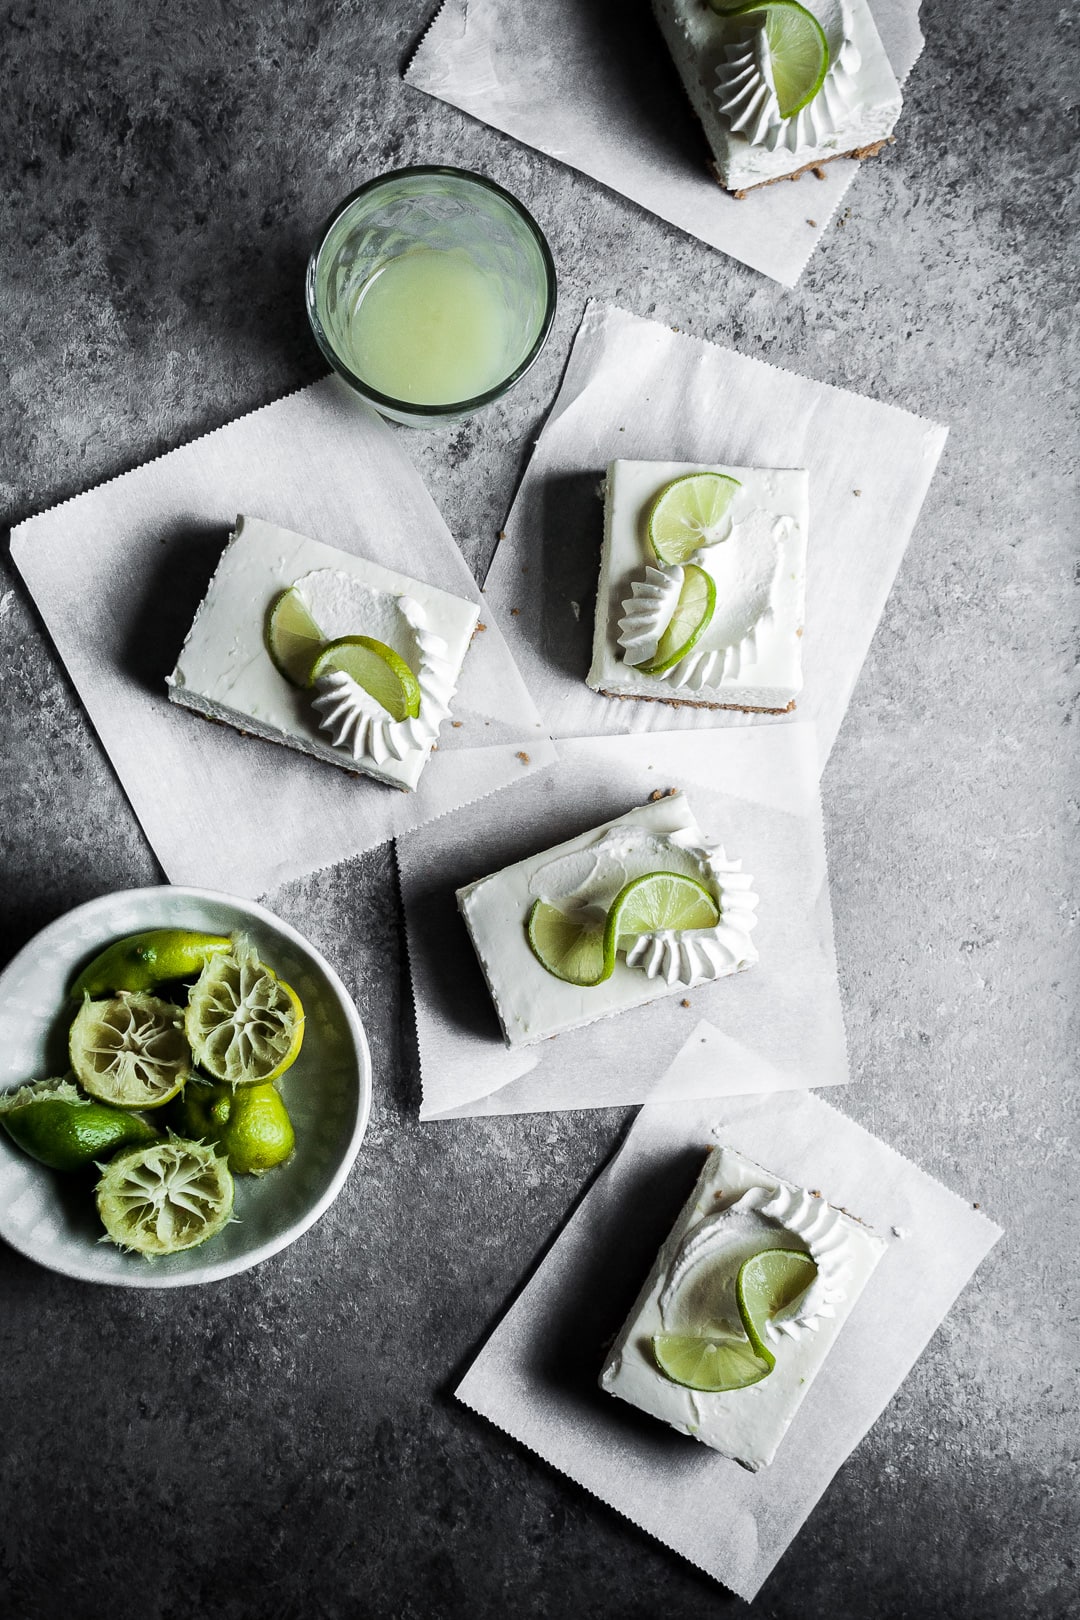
[
  {"x": 225, "y": 670},
  {"x": 749, "y": 654},
  {"x": 738, "y": 1210}
]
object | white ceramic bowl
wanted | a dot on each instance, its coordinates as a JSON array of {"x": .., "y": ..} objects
[{"x": 52, "y": 1218}]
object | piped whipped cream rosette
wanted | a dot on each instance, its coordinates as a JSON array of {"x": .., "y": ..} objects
[{"x": 746, "y": 88}]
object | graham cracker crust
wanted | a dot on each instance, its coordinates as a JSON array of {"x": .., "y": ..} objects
[
  {"x": 689, "y": 703},
  {"x": 814, "y": 168}
]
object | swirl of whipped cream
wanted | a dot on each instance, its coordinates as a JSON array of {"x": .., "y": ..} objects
[
  {"x": 647, "y": 612},
  {"x": 728, "y": 1237},
  {"x": 357, "y": 722},
  {"x": 695, "y": 955},
  {"x": 746, "y": 93}
]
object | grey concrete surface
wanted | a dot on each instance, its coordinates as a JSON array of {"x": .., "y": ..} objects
[{"x": 285, "y": 1444}]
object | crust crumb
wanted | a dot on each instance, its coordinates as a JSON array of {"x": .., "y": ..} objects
[
  {"x": 457, "y": 724},
  {"x": 689, "y": 703},
  {"x": 684, "y": 1002},
  {"x": 816, "y": 168},
  {"x": 515, "y": 613},
  {"x": 661, "y": 793},
  {"x": 480, "y": 625},
  {"x": 523, "y": 756}
]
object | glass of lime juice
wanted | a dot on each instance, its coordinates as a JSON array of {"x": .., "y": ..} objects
[{"x": 432, "y": 291}]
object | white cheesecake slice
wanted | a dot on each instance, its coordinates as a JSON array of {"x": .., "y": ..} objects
[
  {"x": 725, "y": 68},
  {"x": 750, "y": 654},
  {"x": 736, "y": 1210},
  {"x": 225, "y": 672},
  {"x": 582, "y": 877}
]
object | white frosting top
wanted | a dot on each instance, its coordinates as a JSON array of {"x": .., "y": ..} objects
[
  {"x": 700, "y": 1284},
  {"x": 355, "y": 721},
  {"x": 587, "y": 880},
  {"x": 746, "y": 95}
]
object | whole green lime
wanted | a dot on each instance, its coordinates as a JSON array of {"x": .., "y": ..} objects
[{"x": 249, "y": 1123}]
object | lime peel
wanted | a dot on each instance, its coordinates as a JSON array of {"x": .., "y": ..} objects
[
  {"x": 766, "y": 1283},
  {"x": 142, "y": 961},
  {"x": 163, "y": 1199}
]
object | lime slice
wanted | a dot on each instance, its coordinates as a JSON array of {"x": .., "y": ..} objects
[
  {"x": 568, "y": 947},
  {"x": 381, "y": 671},
  {"x": 689, "y": 514},
  {"x": 798, "y": 50},
  {"x": 251, "y": 1124},
  {"x": 53, "y": 1122},
  {"x": 130, "y": 1050},
  {"x": 710, "y": 1364},
  {"x": 165, "y": 1198},
  {"x": 141, "y": 961},
  {"x": 245, "y": 1025},
  {"x": 658, "y": 901},
  {"x": 292, "y": 637},
  {"x": 693, "y": 611},
  {"x": 767, "y": 1284}
]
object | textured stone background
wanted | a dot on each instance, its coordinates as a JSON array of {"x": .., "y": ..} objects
[{"x": 285, "y": 1445}]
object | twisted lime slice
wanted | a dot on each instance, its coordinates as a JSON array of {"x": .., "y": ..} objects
[
  {"x": 244, "y": 1024},
  {"x": 60, "y": 1127},
  {"x": 689, "y": 513},
  {"x": 292, "y": 637},
  {"x": 568, "y": 947},
  {"x": 130, "y": 1050},
  {"x": 798, "y": 49},
  {"x": 141, "y": 961},
  {"x": 693, "y": 612},
  {"x": 381, "y": 671},
  {"x": 766, "y": 1284},
  {"x": 165, "y": 1198}
]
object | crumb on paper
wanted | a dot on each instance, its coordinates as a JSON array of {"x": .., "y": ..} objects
[
  {"x": 799, "y": 631},
  {"x": 660, "y": 793},
  {"x": 523, "y": 756},
  {"x": 480, "y": 625},
  {"x": 900, "y": 1232},
  {"x": 856, "y": 492},
  {"x": 818, "y": 172},
  {"x": 812, "y": 222},
  {"x": 976, "y": 1206},
  {"x": 457, "y": 724},
  {"x": 684, "y": 1002}
]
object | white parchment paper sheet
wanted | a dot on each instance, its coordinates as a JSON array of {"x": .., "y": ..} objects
[
  {"x": 592, "y": 84},
  {"x": 772, "y": 1027},
  {"x": 118, "y": 573},
  {"x": 536, "y": 1376},
  {"x": 636, "y": 390}
]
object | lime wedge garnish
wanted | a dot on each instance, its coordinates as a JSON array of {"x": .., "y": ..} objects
[
  {"x": 693, "y": 611},
  {"x": 245, "y": 1025},
  {"x": 709, "y": 1364},
  {"x": 165, "y": 1198},
  {"x": 688, "y": 514},
  {"x": 568, "y": 947},
  {"x": 292, "y": 637},
  {"x": 766, "y": 1284},
  {"x": 658, "y": 901},
  {"x": 141, "y": 961},
  {"x": 798, "y": 49},
  {"x": 130, "y": 1050},
  {"x": 53, "y": 1122},
  {"x": 381, "y": 671}
]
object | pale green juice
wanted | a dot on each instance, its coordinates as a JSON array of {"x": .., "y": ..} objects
[{"x": 432, "y": 328}]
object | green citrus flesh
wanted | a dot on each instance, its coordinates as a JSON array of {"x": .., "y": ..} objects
[
  {"x": 767, "y": 1284},
  {"x": 165, "y": 1198},
  {"x": 292, "y": 637},
  {"x": 567, "y": 946},
  {"x": 142, "y": 961},
  {"x": 657, "y": 902},
  {"x": 798, "y": 50},
  {"x": 130, "y": 1050},
  {"x": 693, "y": 612},
  {"x": 60, "y": 1127},
  {"x": 690, "y": 513},
  {"x": 250, "y": 1124},
  {"x": 709, "y": 1364},
  {"x": 244, "y": 1024},
  {"x": 383, "y": 673}
]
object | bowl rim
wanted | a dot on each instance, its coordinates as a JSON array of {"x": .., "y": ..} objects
[
  {"x": 214, "y": 1271},
  {"x": 406, "y": 407}
]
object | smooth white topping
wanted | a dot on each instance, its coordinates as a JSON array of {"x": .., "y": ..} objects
[
  {"x": 587, "y": 881},
  {"x": 746, "y": 96},
  {"x": 764, "y": 1218}
]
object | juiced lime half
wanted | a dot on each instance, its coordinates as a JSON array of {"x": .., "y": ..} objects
[
  {"x": 690, "y": 513},
  {"x": 250, "y": 1124},
  {"x": 244, "y": 1024},
  {"x": 292, "y": 637},
  {"x": 130, "y": 1050},
  {"x": 57, "y": 1125},
  {"x": 659, "y": 901},
  {"x": 162, "y": 1199},
  {"x": 381, "y": 671},
  {"x": 798, "y": 49},
  {"x": 693, "y": 612},
  {"x": 766, "y": 1284},
  {"x": 569, "y": 947},
  {"x": 141, "y": 961}
]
